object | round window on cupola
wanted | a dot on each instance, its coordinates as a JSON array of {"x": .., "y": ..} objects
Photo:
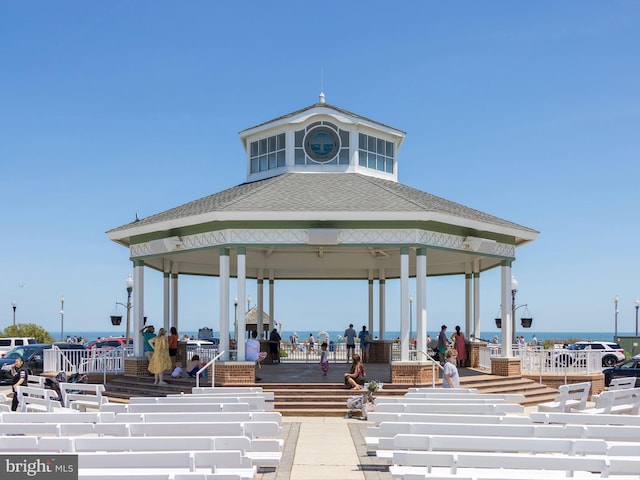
[{"x": 321, "y": 144}]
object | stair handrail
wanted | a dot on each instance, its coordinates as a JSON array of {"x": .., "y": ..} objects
[
  {"x": 434, "y": 362},
  {"x": 210, "y": 364}
]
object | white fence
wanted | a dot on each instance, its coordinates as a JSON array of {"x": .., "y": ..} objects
[
  {"x": 557, "y": 361},
  {"x": 106, "y": 361}
]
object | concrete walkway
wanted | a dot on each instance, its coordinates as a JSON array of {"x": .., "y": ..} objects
[{"x": 317, "y": 448}]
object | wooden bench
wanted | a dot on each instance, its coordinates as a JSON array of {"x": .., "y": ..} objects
[
  {"x": 262, "y": 452},
  {"x": 66, "y": 416},
  {"x": 571, "y": 397},
  {"x": 229, "y": 462},
  {"x": 200, "y": 417},
  {"x": 498, "y": 397},
  {"x": 255, "y": 402},
  {"x": 578, "y": 418},
  {"x": 37, "y": 399},
  {"x": 616, "y": 402},
  {"x": 516, "y": 462},
  {"x": 79, "y": 396},
  {"x": 450, "y": 407},
  {"x": 622, "y": 382},
  {"x": 175, "y": 407},
  {"x": 54, "y": 429},
  {"x": 612, "y": 433},
  {"x": 473, "y": 443},
  {"x": 378, "y": 417},
  {"x": 161, "y": 429}
]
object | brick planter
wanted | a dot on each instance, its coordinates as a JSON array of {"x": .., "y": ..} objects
[
  {"x": 228, "y": 373},
  {"x": 473, "y": 350},
  {"x": 413, "y": 373},
  {"x": 505, "y": 366},
  {"x": 136, "y": 367},
  {"x": 554, "y": 381}
]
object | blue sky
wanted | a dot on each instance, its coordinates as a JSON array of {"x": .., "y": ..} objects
[{"x": 529, "y": 111}]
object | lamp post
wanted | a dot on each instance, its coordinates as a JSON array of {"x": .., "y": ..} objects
[
  {"x": 637, "y": 303},
  {"x": 62, "y": 319},
  {"x": 248, "y": 303},
  {"x": 615, "y": 317},
  {"x": 14, "y": 305},
  {"x": 235, "y": 319},
  {"x": 128, "y": 284},
  {"x": 514, "y": 289},
  {"x": 410, "y": 319}
]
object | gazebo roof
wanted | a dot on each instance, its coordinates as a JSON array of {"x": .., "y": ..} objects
[{"x": 321, "y": 197}]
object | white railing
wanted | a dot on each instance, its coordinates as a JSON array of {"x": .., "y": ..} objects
[
  {"x": 104, "y": 360},
  {"x": 557, "y": 361},
  {"x": 211, "y": 364},
  {"x": 56, "y": 360}
]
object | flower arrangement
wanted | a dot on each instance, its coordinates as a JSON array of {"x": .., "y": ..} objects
[{"x": 373, "y": 386}]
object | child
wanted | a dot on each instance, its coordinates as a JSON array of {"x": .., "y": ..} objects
[
  {"x": 193, "y": 366},
  {"x": 324, "y": 359}
]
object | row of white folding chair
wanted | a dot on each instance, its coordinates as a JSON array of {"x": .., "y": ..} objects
[
  {"x": 55, "y": 429},
  {"x": 107, "y": 475},
  {"x": 269, "y": 396},
  {"x": 225, "y": 390},
  {"x": 441, "y": 391},
  {"x": 431, "y": 400}
]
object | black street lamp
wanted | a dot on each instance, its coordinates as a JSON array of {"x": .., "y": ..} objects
[
  {"x": 235, "y": 318},
  {"x": 514, "y": 289},
  {"x": 128, "y": 283},
  {"x": 637, "y": 303},
  {"x": 248, "y": 303},
  {"x": 14, "y": 305}
]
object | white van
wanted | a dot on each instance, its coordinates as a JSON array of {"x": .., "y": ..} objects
[{"x": 8, "y": 343}]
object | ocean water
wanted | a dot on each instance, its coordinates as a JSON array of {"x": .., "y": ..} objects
[{"x": 557, "y": 337}]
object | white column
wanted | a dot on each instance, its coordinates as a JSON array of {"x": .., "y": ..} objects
[
  {"x": 421, "y": 302},
  {"x": 382, "y": 307},
  {"x": 404, "y": 304},
  {"x": 370, "y": 306},
  {"x": 468, "y": 304},
  {"x": 174, "y": 295},
  {"x": 271, "y": 307},
  {"x": 260, "y": 306},
  {"x": 224, "y": 302},
  {"x": 505, "y": 289},
  {"x": 476, "y": 305},
  {"x": 242, "y": 294},
  {"x": 138, "y": 307},
  {"x": 166, "y": 299}
]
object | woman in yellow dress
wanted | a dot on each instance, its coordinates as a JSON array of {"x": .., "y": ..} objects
[{"x": 160, "y": 361}]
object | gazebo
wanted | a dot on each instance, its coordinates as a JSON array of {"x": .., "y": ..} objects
[{"x": 322, "y": 200}]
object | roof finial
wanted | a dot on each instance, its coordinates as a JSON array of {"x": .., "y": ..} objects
[{"x": 321, "y": 98}]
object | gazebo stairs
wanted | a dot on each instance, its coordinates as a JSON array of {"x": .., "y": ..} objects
[{"x": 329, "y": 399}]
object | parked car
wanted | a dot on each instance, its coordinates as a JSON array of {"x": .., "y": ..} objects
[
  {"x": 108, "y": 343},
  {"x": 613, "y": 353},
  {"x": 8, "y": 343},
  {"x": 629, "y": 368},
  {"x": 33, "y": 356}
]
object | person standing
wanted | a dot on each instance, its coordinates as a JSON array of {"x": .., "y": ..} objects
[
  {"x": 324, "y": 359},
  {"x": 365, "y": 340},
  {"x": 160, "y": 360},
  {"x": 173, "y": 346},
  {"x": 274, "y": 345},
  {"x": 148, "y": 333},
  {"x": 534, "y": 341},
  {"x": 311, "y": 342},
  {"x": 443, "y": 343},
  {"x": 460, "y": 346},
  {"x": 350, "y": 338},
  {"x": 252, "y": 349},
  {"x": 450, "y": 377},
  {"x": 20, "y": 376}
]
